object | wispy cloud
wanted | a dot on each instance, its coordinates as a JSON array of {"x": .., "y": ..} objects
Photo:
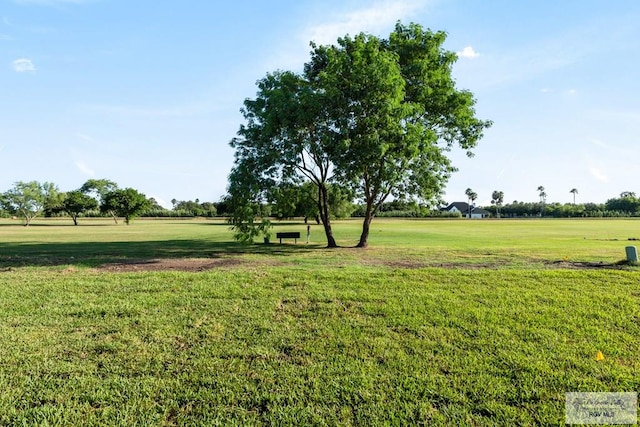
[
  {"x": 85, "y": 137},
  {"x": 6, "y": 37},
  {"x": 600, "y": 143},
  {"x": 530, "y": 61},
  {"x": 621, "y": 116},
  {"x": 468, "y": 52},
  {"x": 598, "y": 174},
  {"x": 561, "y": 91},
  {"x": 82, "y": 167},
  {"x": 148, "y": 112},
  {"x": 324, "y": 29},
  {"x": 372, "y": 19},
  {"x": 23, "y": 65}
]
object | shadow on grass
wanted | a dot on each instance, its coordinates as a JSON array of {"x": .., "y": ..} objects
[{"x": 94, "y": 254}]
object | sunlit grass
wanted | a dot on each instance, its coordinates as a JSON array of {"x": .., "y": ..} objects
[
  {"x": 495, "y": 243},
  {"x": 438, "y": 323}
]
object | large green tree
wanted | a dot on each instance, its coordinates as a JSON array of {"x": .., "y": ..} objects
[
  {"x": 127, "y": 203},
  {"x": 398, "y": 112},
  {"x": 376, "y": 115},
  {"x": 285, "y": 140},
  {"x": 28, "y": 199}
]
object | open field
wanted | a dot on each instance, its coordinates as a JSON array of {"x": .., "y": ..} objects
[{"x": 438, "y": 323}]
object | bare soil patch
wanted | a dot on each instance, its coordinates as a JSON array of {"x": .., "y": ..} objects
[
  {"x": 169, "y": 264},
  {"x": 622, "y": 265}
]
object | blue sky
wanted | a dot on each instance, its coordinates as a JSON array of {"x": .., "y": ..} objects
[{"x": 147, "y": 93}]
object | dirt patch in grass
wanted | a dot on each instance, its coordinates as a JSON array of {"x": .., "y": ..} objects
[
  {"x": 589, "y": 265},
  {"x": 498, "y": 264},
  {"x": 169, "y": 264}
]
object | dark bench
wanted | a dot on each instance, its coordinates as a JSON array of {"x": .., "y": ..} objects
[{"x": 288, "y": 235}]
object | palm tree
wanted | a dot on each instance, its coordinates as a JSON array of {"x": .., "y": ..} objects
[
  {"x": 497, "y": 197},
  {"x": 543, "y": 199},
  {"x": 574, "y": 191},
  {"x": 472, "y": 196}
]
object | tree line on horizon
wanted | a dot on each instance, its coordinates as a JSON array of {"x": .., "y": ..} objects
[
  {"x": 103, "y": 198},
  {"x": 95, "y": 198}
]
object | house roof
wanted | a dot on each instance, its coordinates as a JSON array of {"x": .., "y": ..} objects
[
  {"x": 480, "y": 211},
  {"x": 461, "y": 206}
]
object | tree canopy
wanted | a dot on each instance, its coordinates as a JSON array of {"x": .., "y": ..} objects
[
  {"x": 374, "y": 115},
  {"x": 76, "y": 202},
  {"x": 99, "y": 188},
  {"x": 28, "y": 199},
  {"x": 127, "y": 203}
]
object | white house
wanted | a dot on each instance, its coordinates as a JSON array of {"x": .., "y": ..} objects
[{"x": 467, "y": 211}]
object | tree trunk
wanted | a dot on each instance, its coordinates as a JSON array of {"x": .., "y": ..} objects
[
  {"x": 27, "y": 219},
  {"x": 366, "y": 225},
  {"x": 113, "y": 215},
  {"x": 75, "y": 219},
  {"x": 323, "y": 208}
]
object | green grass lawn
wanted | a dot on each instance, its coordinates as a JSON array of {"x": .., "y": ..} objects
[{"x": 438, "y": 323}]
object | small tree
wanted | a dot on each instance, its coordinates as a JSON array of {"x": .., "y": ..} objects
[
  {"x": 247, "y": 204},
  {"x": 28, "y": 199},
  {"x": 76, "y": 202},
  {"x": 99, "y": 188},
  {"x": 127, "y": 203}
]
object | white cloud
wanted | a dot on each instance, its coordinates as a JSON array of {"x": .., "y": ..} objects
[
  {"x": 23, "y": 65},
  {"x": 546, "y": 90},
  {"x": 468, "y": 52},
  {"x": 82, "y": 166},
  {"x": 370, "y": 20},
  {"x": 323, "y": 29},
  {"x": 598, "y": 174}
]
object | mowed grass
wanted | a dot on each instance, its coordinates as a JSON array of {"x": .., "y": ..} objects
[
  {"x": 489, "y": 243},
  {"x": 438, "y": 323}
]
